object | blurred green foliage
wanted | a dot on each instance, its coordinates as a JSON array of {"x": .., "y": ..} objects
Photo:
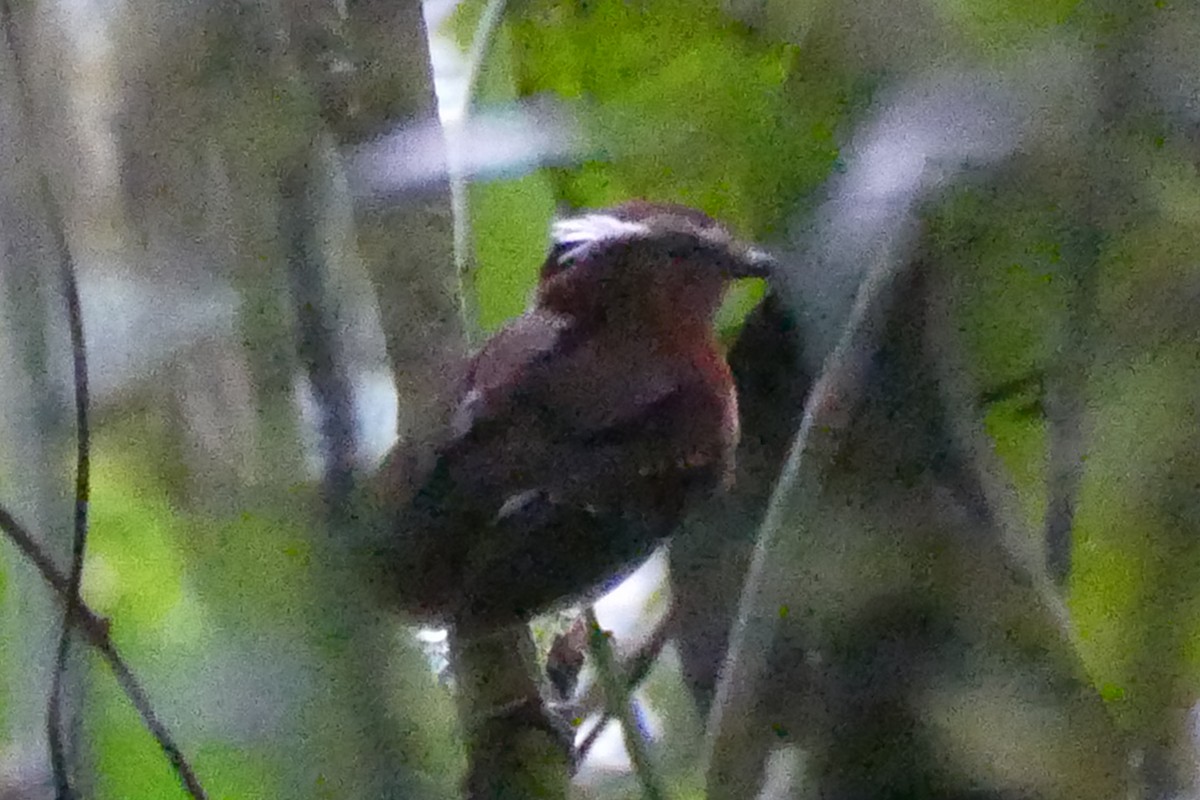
[
  {"x": 680, "y": 102},
  {"x": 659, "y": 124},
  {"x": 508, "y": 225},
  {"x": 736, "y": 147},
  {"x": 997, "y": 27},
  {"x": 143, "y": 552},
  {"x": 196, "y": 595},
  {"x": 1135, "y": 562}
]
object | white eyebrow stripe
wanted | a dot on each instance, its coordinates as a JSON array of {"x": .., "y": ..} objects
[{"x": 592, "y": 228}]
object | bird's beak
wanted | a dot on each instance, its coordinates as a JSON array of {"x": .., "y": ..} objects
[{"x": 753, "y": 263}]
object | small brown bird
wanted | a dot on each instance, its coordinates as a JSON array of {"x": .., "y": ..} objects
[{"x": 583, "y": 431}]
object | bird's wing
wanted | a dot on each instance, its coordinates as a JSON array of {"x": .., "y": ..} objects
[
  {"x": 574, "y": 377},
  {"x": 487, "y": 385},
  {"x": 581, "y": 415},
  {"x": 568, "y": 448},
  {"x": 580, "y": 514},
  {"x": 502, "y": 370},
  {"x": 554, "y": 405}
]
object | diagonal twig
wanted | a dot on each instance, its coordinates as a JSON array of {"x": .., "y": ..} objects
[
  {"x": 96, "y": 630},
  {"x": 618, "y": 699},
  {"x": 75, "y": 611},
  {"x": 635, "y": 668}
]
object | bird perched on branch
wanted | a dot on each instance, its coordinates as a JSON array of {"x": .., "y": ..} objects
[{"x": 582, "y": 432}]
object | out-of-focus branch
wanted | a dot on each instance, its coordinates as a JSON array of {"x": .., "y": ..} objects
[
  {"x": 369, "y": 65},
  {"x": 991, "y": 501},
  {"x": 515, "y": 747},
  {"x": 709, "y": 556},
  {"x": 318, "y": 344},
  {"x": 1101, "y": 179},
  {"x": 733, "y": 731},
  {"x": 923, "y": 138},
  {"x": 363, "y": 638},
  {"x": 383, "y": 81},
  {"x": 997, "y": 496}
]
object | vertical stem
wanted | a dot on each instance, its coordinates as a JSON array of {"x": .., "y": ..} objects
[
  {"x": 460, "y": 201},
  {"x": 318, "y": 344}
]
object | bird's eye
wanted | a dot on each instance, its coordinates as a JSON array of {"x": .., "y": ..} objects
[{"x": 558, "y": 260}]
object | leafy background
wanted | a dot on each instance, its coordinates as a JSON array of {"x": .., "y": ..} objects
[{"x": 742, "y": 109}]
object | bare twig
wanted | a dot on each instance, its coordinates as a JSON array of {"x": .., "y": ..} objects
[
  {"x": 66, "y": 266},
  {"x": 75, "y": 611},
  {"x": 70, "y": 290},
  {"x": 635, "y": 669},
  {"x": 96, "y": 629},
  {"x": 620, "y": 705}
]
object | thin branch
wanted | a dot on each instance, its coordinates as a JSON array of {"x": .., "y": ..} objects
[
  {"x": 317, "y": 343},
  {"x": 593, "y": 736},
  {"x": 785, "y": 533},
  {"x": 481, "y": 46},
  {"x": 96, "y": 629},
  {"x": 70, "y": 290},
  {"x": 635, "y": 669},
  {"x": 951, "y": 368},
  {"x": 620, "y": 705},
  {"x": 32, "y": 551},
  {"x": 66, "y": 266}
]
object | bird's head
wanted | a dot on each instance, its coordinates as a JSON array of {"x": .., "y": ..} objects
[{"x": 670, "y": 261}]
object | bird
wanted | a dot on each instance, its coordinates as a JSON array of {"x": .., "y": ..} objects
[{"x": 581, "y": 432}]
